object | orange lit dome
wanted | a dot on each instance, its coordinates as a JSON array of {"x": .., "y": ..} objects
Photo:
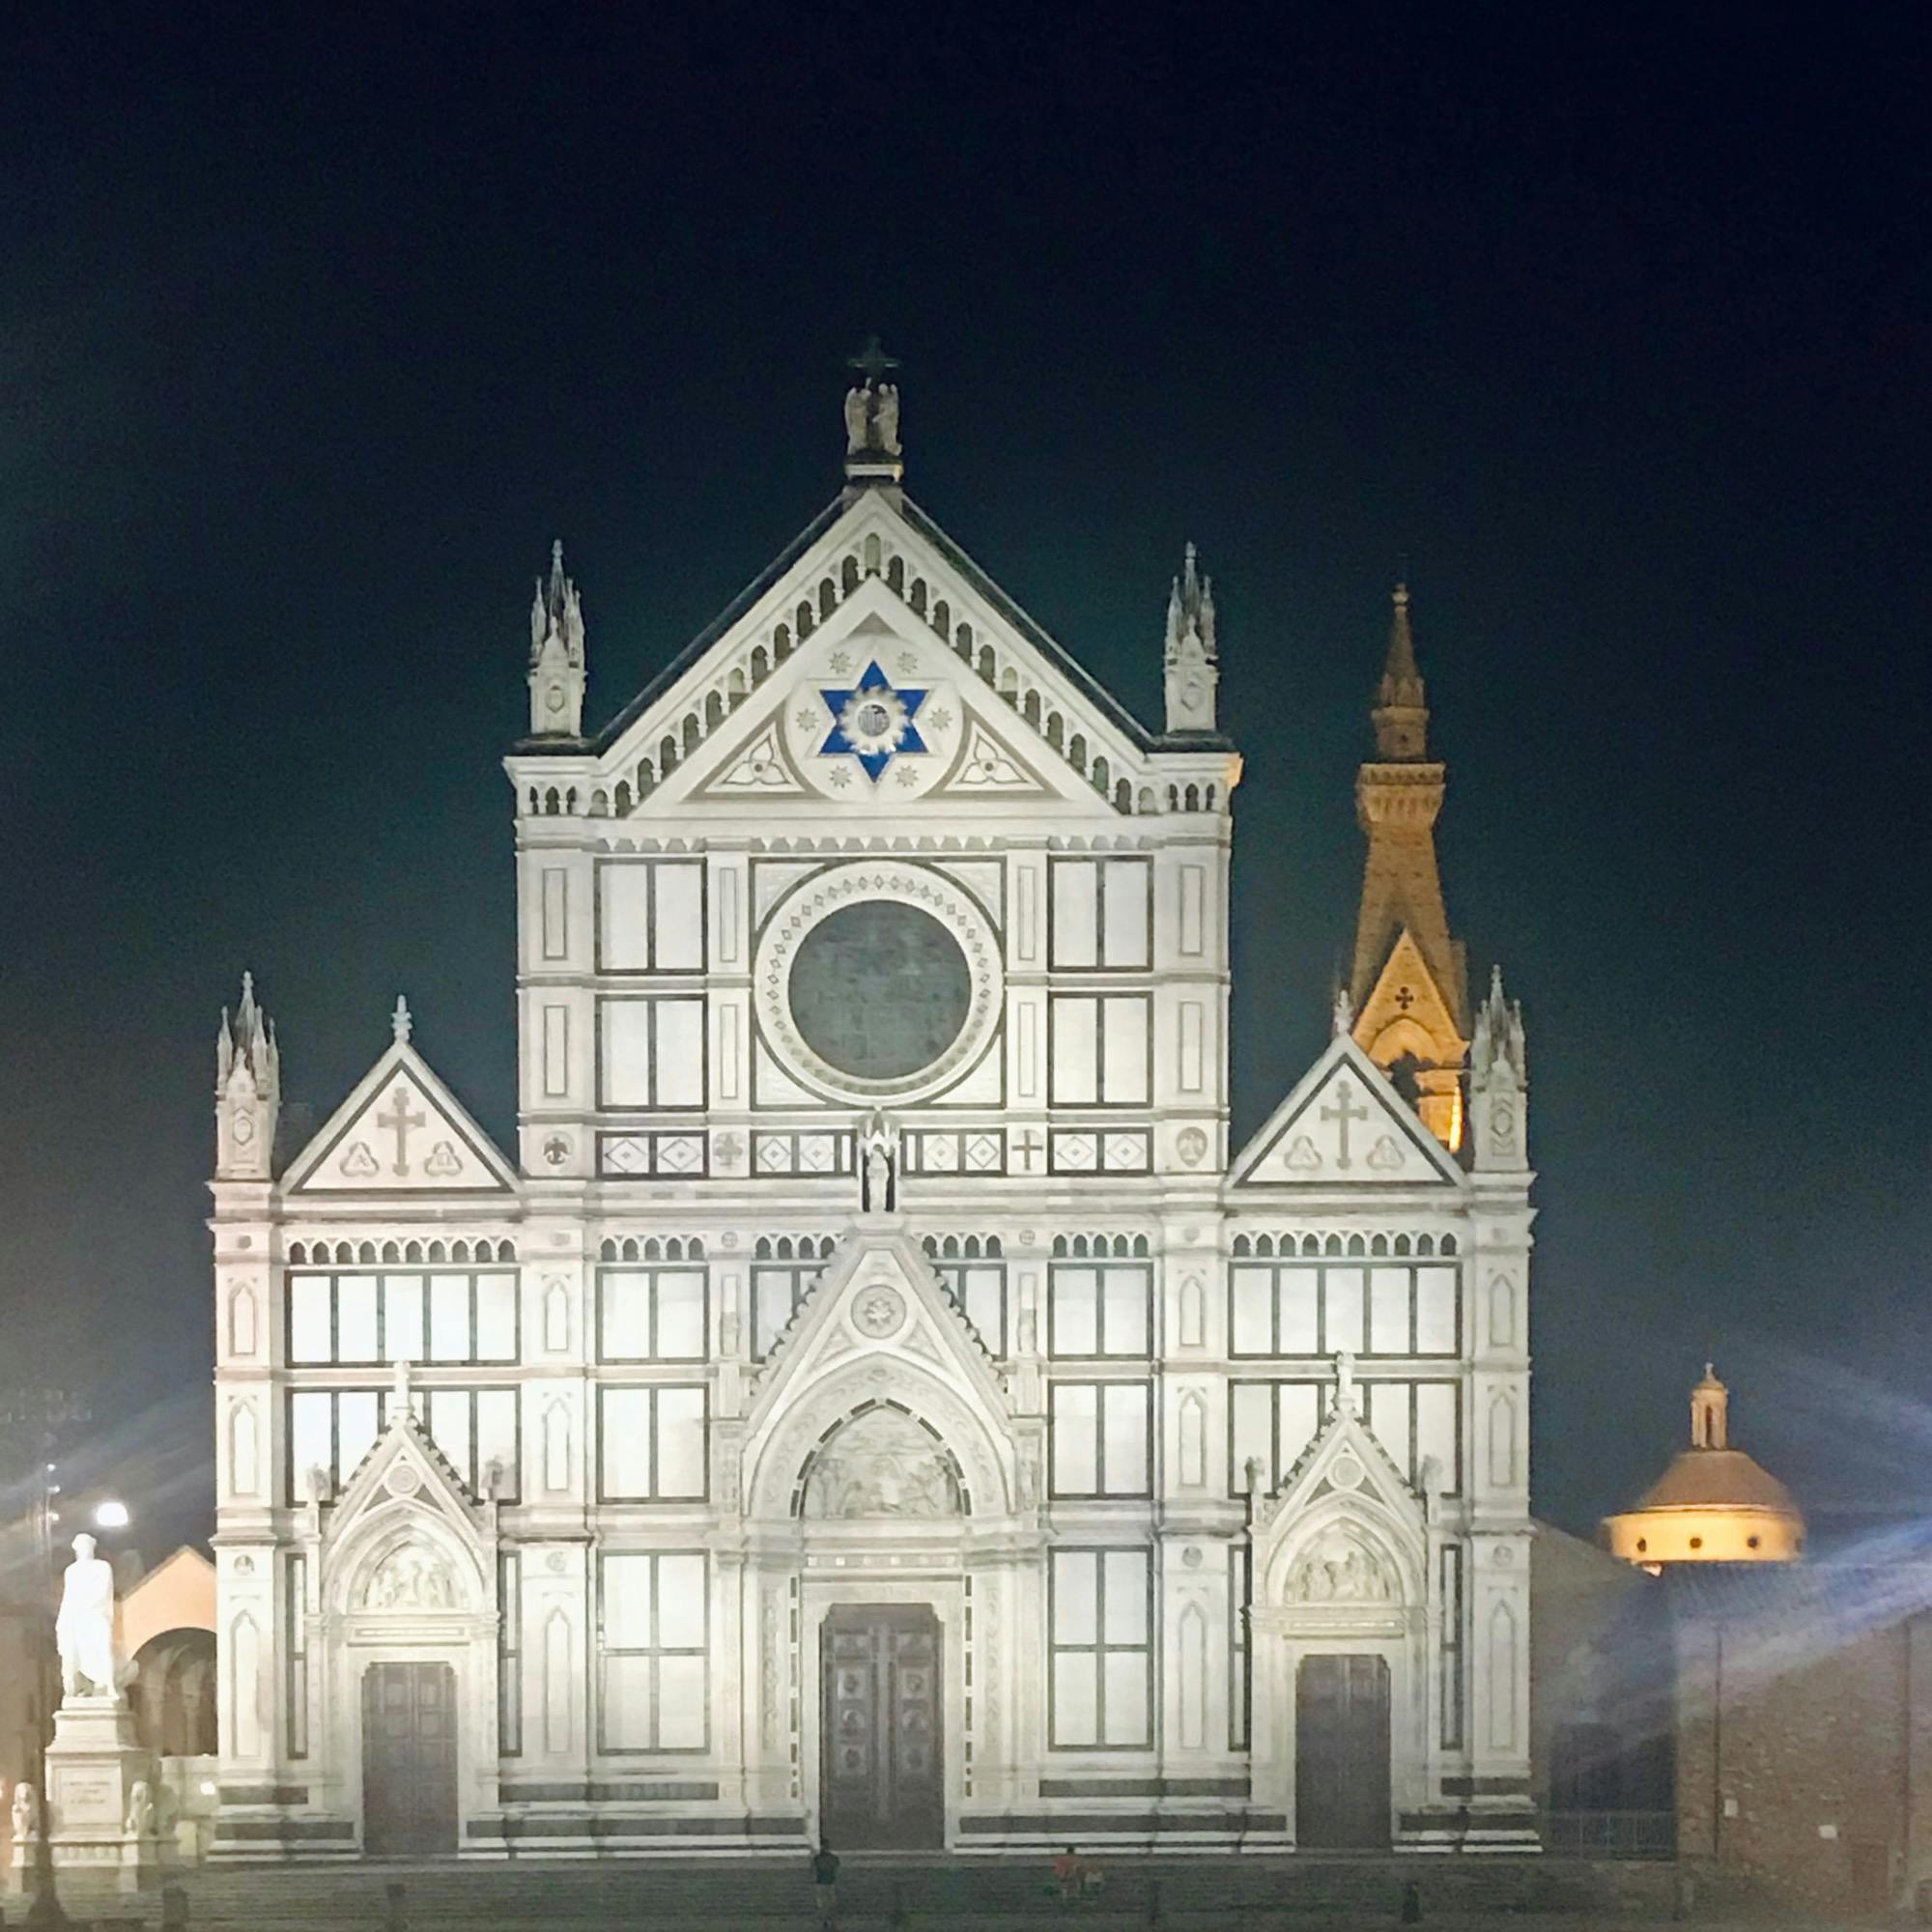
[{"x": 1714, "y": 1504}]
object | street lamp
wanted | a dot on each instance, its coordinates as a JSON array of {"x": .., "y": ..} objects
[{"x": 110, "y": 1515}]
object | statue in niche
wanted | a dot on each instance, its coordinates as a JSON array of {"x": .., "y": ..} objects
[
  {"x": 878, "y": 1164},
  {"x": 1337, "y": 1571},
  {"x": 882, "y": 1464},
  {"x": 84, "y": 1628},
  {"x": 140, "y": 1820},
  {"x": 26, "y": 1812},
  {"x": 411, "y": 1578}
]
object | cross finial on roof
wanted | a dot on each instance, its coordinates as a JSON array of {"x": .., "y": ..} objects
[
  {"x": 871, "y": 361},
  {"x": 401, "y": 1021}
]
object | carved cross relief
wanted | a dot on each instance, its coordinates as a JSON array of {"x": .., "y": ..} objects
[
  {"x": 1342, "y": 1113},
  {"x": 399, "y": 1121}
]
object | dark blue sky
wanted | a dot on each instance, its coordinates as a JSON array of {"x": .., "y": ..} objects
[{"x": 316, "y": 327}]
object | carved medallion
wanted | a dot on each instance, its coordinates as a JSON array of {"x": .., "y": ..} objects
[
  {"x": 1345, "y": 1472},
  {"x": 1191, "y": 1145},
  {"x": 879, "y": 1312}
]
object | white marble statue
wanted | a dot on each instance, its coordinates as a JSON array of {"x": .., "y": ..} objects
[
  {"x": 26, "y": 1812},
  {"x": 84, "y": 1628},
  {"x": 140, "y": 1811}
]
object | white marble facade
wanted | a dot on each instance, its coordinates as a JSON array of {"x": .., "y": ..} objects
[{"x": 873, "y": 1261}]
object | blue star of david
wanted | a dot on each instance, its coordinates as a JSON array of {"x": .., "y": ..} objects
[{"x": 876, "y": 749}]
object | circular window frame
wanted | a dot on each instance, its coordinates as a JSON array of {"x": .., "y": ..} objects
[{"x": 814, "y": 899}]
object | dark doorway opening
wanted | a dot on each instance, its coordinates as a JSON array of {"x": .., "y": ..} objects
[
  {"x": 1342, "y": 1754},
  {"x": 882, "y": 1766},
  {"x": 409, "y": 1760}
]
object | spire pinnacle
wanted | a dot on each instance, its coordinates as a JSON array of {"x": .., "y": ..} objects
[
  {"x": 247, "y": 1088},
  {"x": 1497, "y": 1038},
  {"x": 401, "y": 1021},
  {"x": 1192, "y": 657},
  {"x": 1343, "y": 1018},
  {"x": 1401, "y": 714},
  {"x": 557, "y": 653}
]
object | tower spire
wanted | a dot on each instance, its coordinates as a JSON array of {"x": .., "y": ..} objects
[
  {"x": 1191, "y": 663},
  {"x": 556, "y": 654},
  {"x": 247, "y": 1090},
  {"x": 1401, "y": 715},
  {"x": 1408, "y": 983}
]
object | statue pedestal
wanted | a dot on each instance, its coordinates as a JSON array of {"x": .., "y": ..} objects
[{"x": 93, "y": 1767}]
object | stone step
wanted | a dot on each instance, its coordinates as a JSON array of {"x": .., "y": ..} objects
[{"x": 959, "y": 1895}]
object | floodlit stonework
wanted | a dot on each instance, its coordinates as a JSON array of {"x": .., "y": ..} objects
[{"x": 874, "y": 1395}]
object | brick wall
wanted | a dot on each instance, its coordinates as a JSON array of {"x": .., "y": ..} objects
[{"x": 1804, "y": 1752}]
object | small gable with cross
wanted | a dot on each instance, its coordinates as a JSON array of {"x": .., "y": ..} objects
[
  {"x": 401, "y": 1132},
  {"x": 1345, "y": 1126}
]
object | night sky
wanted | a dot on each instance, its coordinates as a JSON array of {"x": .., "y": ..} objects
[{"x": 316, "y": 328}]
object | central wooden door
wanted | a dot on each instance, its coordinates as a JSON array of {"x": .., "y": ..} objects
[
  {"x": 882, "y": 1768},
  {"x": 409, "y": 1760},
  {"x": 1342, "y": 1753}
]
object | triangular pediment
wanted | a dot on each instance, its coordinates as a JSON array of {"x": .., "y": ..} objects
[
  {"x": 1344, "y": 1458},
  {"x": 1344, "y": 1126},
  {"x": 878, "y": 1332},
  {"x": 1344, "y": 1534},
  {"x": 404, "y": 1466},
  {"x": 402, "y": 1131},
  {"x": 1406, "y": 1013},
  {"x": 873, "y": 668},
  {"x": 878, "y": 1297}
]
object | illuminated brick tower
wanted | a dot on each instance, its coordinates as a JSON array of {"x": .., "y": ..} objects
[{"x": 1408, "y": 986}]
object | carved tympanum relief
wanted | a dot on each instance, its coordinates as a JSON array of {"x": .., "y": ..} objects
[
  {"x": 411, "y": 1578},
  {"x": 1337, "y": 1570},
  {"x": 882, "y": 1464}
]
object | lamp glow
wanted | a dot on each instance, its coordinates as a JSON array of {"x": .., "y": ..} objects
[{"x": 111, "y": 1516}]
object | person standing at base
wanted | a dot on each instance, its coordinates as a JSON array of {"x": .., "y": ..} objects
[
  {"x": 825, "y": 1882},
  {"x": 1066, "y": 1870}
]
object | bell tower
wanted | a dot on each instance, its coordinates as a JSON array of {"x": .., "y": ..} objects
[
  {"x": 1409, "y": 982},
  {"x": 556, "y": 655}
]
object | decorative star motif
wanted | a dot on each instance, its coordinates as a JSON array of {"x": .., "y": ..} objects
[
  {"x": 872, "y": 720},
  {"x": 841, "y": 663},
  {"x": 805, "y": 719}
]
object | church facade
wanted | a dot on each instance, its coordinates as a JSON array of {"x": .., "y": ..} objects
[{"x": 873, "y": 1396}]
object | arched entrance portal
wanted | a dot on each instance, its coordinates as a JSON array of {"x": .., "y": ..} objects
[
  {"x": 1341, "y": 1753},
  {"x": 409, "y": 1760}
]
